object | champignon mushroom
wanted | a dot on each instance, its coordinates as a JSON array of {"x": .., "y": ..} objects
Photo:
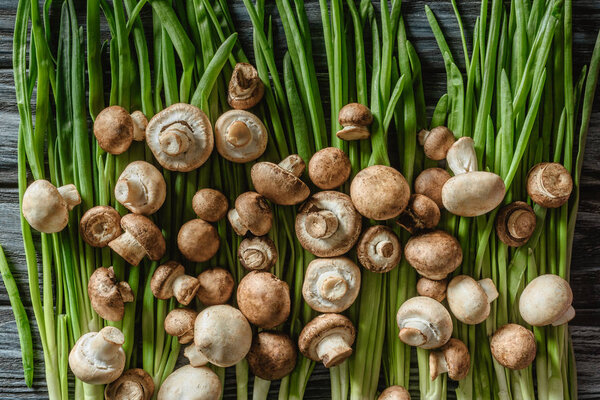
[
  {"x": 180, "y": 137},
  {"x": 107, "y": 295},
  {"x": 198, "y": 240},
  {"x": 331, "y": 284},
  {"x": 195, "y": 356},
  {"x": 141, "y": 188},
  {"x": 257, "y": 253},
  {"x": 264, "y": 299},
  {"x": 272, "y": 355},
  {"x": 191, "y": 383},
  {"x": 461, "y": 157},
  {"x": 216, "y": 286},
  {"x": 141, "y": 238},
  {"x": 453, "y": 358},
  {"x": 394, "y": 393},
  {"x": 434, "y": 289},
  {"x": 549, "y": 184},
  {"x": 329, "y": 168},
  {"x": 513, "y": 346},
  {"x": 434, "y": 255},
  {"x": 469, "y": 300},
  {"x": 46, "y": 207},
  {"x": 99, "y": 225},
  {"x": 252, "y": 213},
  {"x": 547, "y": 300},
  {"x": 379, "y": 249},
  {"x": 210, "y": 205},
  {"x": 240, "y": 136},
  {"x": 170, "y": 280},
  {"x": 430, "y": 183},
  {"x": 420, "y": 214},
  {"x": 281, "y": 182},
  {"x": 140, "y": 122},
  {"x": 327, "y": 338},
  {"x": 436, "y": 142},
  {"x": 245, "y": 87},
  {"x": 327, "y": 224},
  {"x": 98, "y": 357},
  {"x": 113, "y": 129},
  {"x": 134, "y": 384},
  {"x": 379, "y": 192},
  {"x": 515, "y": 223},
  {"x": 473, "y": 194},
  {"x": 355, "y": 118},
  {"x": 424, "y": 323},
  {"x": 180, "y": 323}
]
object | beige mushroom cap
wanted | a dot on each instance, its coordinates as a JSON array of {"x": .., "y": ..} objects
[
  {"x": 515, "y": 223},
  {"x": 421, "y": 214},
  {"x": 434, "y": 289},
  {"x": 473, "y": 194},
  {"x": 331, "y": 284},
  {"x": 434, "y": 255},
  {"x": 240, "y": 136},
  {"x": 113, "y": 129},
  {"x": 134, "y": 384},
  {"x": 329, "y": 168},
  {"x": 264, "y": 299},
  {"x": 424, "y": 323},
  {"x": 355, "y": 118},
  {"x": 257, "y": 253},
  {"x": 245, "y": 87},
  {"x": 140, "y": 122},
  {"x": 469, "y": 300},
  {"x": 272, "y": 355},
  {"x": 198, "y": 240},
  {"x": 210, "y": 205},
  {"x": 100, "y": 225},
  {"x": 170, "y": 280},
  {"x": 191, "y": 383},
  {"x": 549, "y": 184},
  {"x": 46, "y": 208},
  {"x": 453, "y": 358},
  {"x": 281, "y": 182},
  {"x": 179, "y": 322},
  {"x": 394, "y": 393},
  {"x": 430, "y": 183},
  {"x": 216, "y": 286},
  {"x": 547, "y": 300},
  {"x": 107, "y": 295},
  {"x": 379, "y": 192},
  {"x": 436, "y": 142},
  {"x": 141, "y": 188},
  {"x": 141, "y": 238},
  {"x": 327, "y": 338},
  {"x": 513, "y": 346},
  {"x": 379, "y": 249},
  {"x": 252, "y": 213}
]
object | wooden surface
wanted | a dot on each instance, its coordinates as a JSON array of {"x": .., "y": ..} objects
[{"x": 585, "y": 327}]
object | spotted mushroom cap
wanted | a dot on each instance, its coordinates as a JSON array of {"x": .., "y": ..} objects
[
  {"x": 379, "y": 249},
  {"x": 198, "y": 240},
  {"x": 163, "y": 278},
  {"x": 264, "y": 299},
  {"x": 107, "y": 295},
  {"x": 210, "y": 204},
  {"x": 240, "y": 136},
  {"x": 329, "y": 168},
  {"x": 434, "y": 255},
  {"x": 453, "y": 357},
  {"x": 145, "y": 233},
  {"x": 99, "y": 225},
  {"x": 513, "y": 346},
  {"x": 216, "y": 286},
  {"x": 252, "y": 213},
  {"x": 331, "y": 284},
  {"x": 272, "y": 355},
  {"x": 430, "y": 183},
  {"x": 179, "y": 322}
]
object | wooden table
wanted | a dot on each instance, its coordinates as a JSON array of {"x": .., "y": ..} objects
[{"x": 585, "y": 328}]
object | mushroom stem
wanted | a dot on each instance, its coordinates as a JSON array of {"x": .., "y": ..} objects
[
  {"x": 437, "y": 364},
  {"x": 106, "y": 344},
  {"x": 489, "y": 288},
  {"x": 195, "y": 356},
  {"x": 333, "y": 287},
  {"x": 519, "y": 224},
  {"x": 416, "y": 332},
  {"x": 131, "y": 191},
  {"x": 565, "y": 317},
  {"x": 238, "y": 134},
  {"x": 333, "y": 349},
  {"x": 175, "y": 139},
  {"x": 294, "y": 164},
  {"x": 129, "y": 248},
  {"x": 384, "y": 248},
  {"x": 70, "y": 195},
  {"x": 321, "y": 224},
  {"x": 236, "y": 222}
]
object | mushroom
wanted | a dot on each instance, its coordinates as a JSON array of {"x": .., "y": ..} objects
[
  {"x": 461, "y": 157},
  {"x": 379, "y": 249},
  {"x": 549, "y": 184},
  {"x": 180, "y": 323},
  {"x": 180, "y": 137},
  {"x": 170, "y": 280},
  {"x": 331, "y": 284},
  {"x": 469, "y": 300},
  {"x": 245, "y": 87},
  {"x": 46, "y": 207},
  {"x": 195, "y": 356},
  {"x": 434, "y": 289},
  {"x": 140, "y": 122},
  {"x": 436, "y": 142},
  {"x": 257, "y": 253},
  {"x": 210, "y": 205},
  {"x": 379, "y": 192},
  {"x": 515, "y": 223},
  {"x": 98, "y": 357},
  {"x": 281, "y": 182},
  {"x": 264, "y": 299},
  {"x": 327, "y": 224},
  {"x": 434, "y": 255},
  {"x": 113, "y": 129},
  {"x": 134, "y": 384},
  {"x": 198, "y": 240},
  {"x": 141, "y": 238},
  {"x": 430, "y": 183},
  {"x": 99, "y": 225},
  {"x": 453, "y": 358},
  {"x": 107, "y": 295},
  {"x": 240, "y": 136},
  {"x": 473, "y": 194},
  {"x": 394, "y": 393},
  {"x": 329, "y": 168},
  {"x": 141, "y": 188},
  {"x": 191, "y": 383},
  {"x": 424, "y": 323},
  {"x": 355, "y": 118},
  {"x": 272, "y": 355},
  {"x": 327, "y": 338},
  {"x": 421, "y": 213},
  {"x": 216, "y": 286},
  {"x": 252, "y": 213},
  {"x": 547, "y": 300},
  {"x": 513, "y": 346}
]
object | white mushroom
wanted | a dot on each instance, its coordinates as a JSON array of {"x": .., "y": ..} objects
[
  {"x": 469, "y": 300},
  {"x": 46, "y": 208},
  {"x": 331, "y": 284},
  {"x": 547, "y": 300},
  {"x": 461, "y": 157},
  {"x": 394, "y": 393},
  {"x": 191, "y": 383},
  {"x": 473, "y": 194},
  {"x": 240, "y": 136},
  {"x": 424, "y": 323},
  {"x": 141, "y": 188}
]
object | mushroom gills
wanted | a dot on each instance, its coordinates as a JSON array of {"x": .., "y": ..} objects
[{"x": 418, "y": 332}]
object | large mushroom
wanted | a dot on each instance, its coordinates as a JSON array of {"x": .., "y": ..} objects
[
  {"x": 394, "y": 393},
  {"x": 252, "y": 213},
  {"x": 264, "y": 299},
  {"x": 434, "y": 255},
  {"x": 141, "y": 188},
  {"x": 473, "y": 194},
  {"x": 170, "y": 280},
  {"x": 179, "y": 322},
  {"x": 272, "y": 355},
  {"x": 453, "y": 358},
  {"x": 379, "y": 249},
  {"x": 436, "y": 142},
  {"x": 100, "y": 225},
  {"x": 329, "y": 168},
  {"x": 430, "y": 183},
  {"x": 513, "y": 346},
  {"x": 191, "y": 383},
  {"x": 331, "y": 284},
  {"x": 327, "y": 338},
  {"x": 469, "y": 300},
  {"x": 134, "y": 384},
  {"x": 355, "y": 119},
  {"x": 113, "y": 128},
  {"x": 281, "y": 182},
  {"x": 98, "y": 357},
  {"x": 107, "y": 295},
  {"x": 515, "y": 223},
  {"x": 379, "y": 192},
  {"x": 245, "y": 87},
  {"x": 547, "y": 300},
  {"x": 549, "y": 184},
  {"x": 210, "y": 204},
  {"x": 424, "y": 323},
  {"x": 240, "y": 136},
  {"x": 216, "y": 286},
  {"x": 257, "y": 253},
  {"x": 421, "y": 214},
  {"x": 198, "y": 240},
  {"x": 141, "y": 238},
  {"x": 432, "y": 288},
  {"x": 46, "y": 207}
]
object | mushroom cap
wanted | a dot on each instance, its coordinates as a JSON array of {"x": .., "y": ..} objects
[
  {"x": 331, "y": 284},
  {"x": 163, "y": 282},
  {"x": 467, "y": 300},
  {"x": 473, "y": 194},
  {"x": 257, "y": 253},
  {"x": 245, "y": 87},
  {"x": 264, "y": 299},
  {"x": 379, "y": 192},
  {"x": 434, "y": 255},
  {"x": 134, "y": 384},
  {"x": 140, "y": 122},
  {"x": 210, "y": 204},
  {"x": 430, "y": 183},
  {"x": 113, "y": 129},
  {"x": 191, "y": 383},
  {"x": 549, "y": 184},
  {"x": 322, "y": 327},
  {"x": 424, "y": 322},
  {"x": 436, "y": 142},
  {"x": 394, "y": 393},
  {"x": 278, "y": 184},
  {"x": 329, "y": 168},
  {"x": 254, "y": 213},
  {"x": 146, "y": 233},
  {"x": 240, "y": 136},
  {"x": 216, "y": 286},
  {"x": 379, "y": 249},
  {"x": 141, "y": 188},
  {"x": 198, "y": 240},
  {"x": 100, "y": 225},
  {"x": 456, "y": 357},
  {"x": 179, "y": 322},
  {"x": 107, "y": 295},
  {"x": 420, "y": 214},
  {"x": 44, "y": 208},
  {"x": 545, "y": 299},
  {"x": 431, "y": 288},
  {"x": 198, "y": 132},
  {"x": 349, "y": 223},
  {"x": 515, "y": 223},
  {"x": 513, "y": 346},
  {"x": 272, "y": 355},
  {"x": 223, "y": 335}
]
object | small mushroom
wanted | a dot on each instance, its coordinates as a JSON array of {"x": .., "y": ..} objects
[
  {"x": 549, "y": 184},
  {"x": 141, "y": 188},
  {"x": 198, "y": 240},
  {"x": 191, "y": 383},
  {"x": 180, "y": 137},
  {"x": 99, "y": 225},
  {"x": 421, "y": 213},
  {"x": 240, "y": 136},
  {"x": 379, "y": 249},
  {"x": 515, "y": 223},
  {"x": 430, "y": 183},
  {"x": 331, "y": 284},
  {"x": 257, "y": 253},
  {"x": 98, "y": 357},
  {"x": 434, "y": 255},
  {"x": 461, "y": 157},
  {"x": 329, "y": 168},
  {"x": 134, "y": 384},
  {"x": 140, "y": 122},
  {"x": 272, "y": 355},
  {"x": 107, "y": 295},
  {"x": 434, "y": 289},
  {"x": 46, "y": 207},
  {"x": 180, "y": 323},
  {"x": 281, "y": 182},
  {"x": 379, "y": 192},
  {"x": 469, "y": 300},
  {"x": 216, "y": 286},
  {"x": 327, "y": 224},
  {"x": 436, "y": 142},
  {"x": 453, "y": 358},
  {"x": 473, "y": 194},
  {"x": 210, "y": 205},
  {"x": 513, "y": 346},
  {"x": 245, "y": 87},
  {"x": 113, "y": 129},
  {"x": 327, "y": 338},
  {"x": 141, "y": 238},
  {"x": 547, "y": 300},
  {"x": 264, "y": 299},
  {"x": 252, "y": 213},
  {"x": 170, "y": 280},
  {"x": 424, "y": 323},
  {"x": 355, "y": 118},
  {"x": 394, "y": 393}
]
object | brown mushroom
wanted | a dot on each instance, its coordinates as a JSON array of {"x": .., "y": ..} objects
[
  {"x": 210, "y": 205},
  {"x": 180, "y": 323},
  {"x": 513, "y": 346},
  {"x": 141, "y": 188},
  {"x": 141, "y": 238},
  {"x": 430, "y": 183},
  {"x": 98, "y": 357},
  {"x": 379, "y": 249},
  {"x": 216, "y": 286},
  {"x": 140, "y": 122},
  {"x": 134, "y": 384},
  {"x": 434, "y": 255},
  {"x": 549, "y": 184},
  {"x": 99, "y": 225},
  {"x": 281, "y": 182},
  {"x": 257, "y": 253},
  {"x": 252, "y": 213},
  {"x": 329, "y": 168},
  {"x": 272, "y": 355},
  {"x": 394, "y": 393},
  {"x": 421, "y": 214},
  {"x": 327, "y": 338},
  {"x": 331, "y": 284},
  {"x": 113, "y": 129},
  {"x": 453, "y": 358},
  {"x": 264, "y": 299},
  {"x": 245, "y": 87},
  {"x": 436, "y": 142},
  {"x": 107, "y": 295},
  {"x": 170, "y": 280},
  {"x": 240, "y": 136},
  {"x": 431, "y": 288},
  {"x": 515, "y": 223},
  {"x": 46, "y": 207},
  {"x": 198, "y": 240},
  {"x": 355, "y": 118}
]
